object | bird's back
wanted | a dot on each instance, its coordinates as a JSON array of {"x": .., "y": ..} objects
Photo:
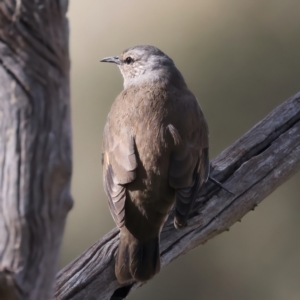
[{"x": 146, "y": 113}]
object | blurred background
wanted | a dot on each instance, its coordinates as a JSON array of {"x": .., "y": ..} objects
[{"x": 241, "y": 60}]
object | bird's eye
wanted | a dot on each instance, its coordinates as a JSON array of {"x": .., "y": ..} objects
[{"x": 128, "y": 60}]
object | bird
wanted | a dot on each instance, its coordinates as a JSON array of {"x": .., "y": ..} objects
[{"x": 155, "y": 157}]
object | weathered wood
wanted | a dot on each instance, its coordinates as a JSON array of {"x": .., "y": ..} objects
[
  {"x": 35, "y": 148},
  {"x": 251, "y": 168}
]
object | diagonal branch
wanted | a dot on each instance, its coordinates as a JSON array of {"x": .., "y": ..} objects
[{"x": 252, "y": 168}]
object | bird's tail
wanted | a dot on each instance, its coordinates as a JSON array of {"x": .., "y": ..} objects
[{"x": 136, "y": 260}]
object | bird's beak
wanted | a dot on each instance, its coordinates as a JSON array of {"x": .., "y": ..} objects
[{"x": 111, "y": 59}]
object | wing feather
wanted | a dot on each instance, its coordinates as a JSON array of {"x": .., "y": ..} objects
[
  {"x": 189, "y": 169},
  {"x": 119, "y": 169}
]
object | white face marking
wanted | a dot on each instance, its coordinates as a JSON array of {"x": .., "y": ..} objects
[{"x": 149, "y": 64}]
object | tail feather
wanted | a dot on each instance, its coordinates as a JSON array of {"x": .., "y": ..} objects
[{"x": 136, "y": 260}]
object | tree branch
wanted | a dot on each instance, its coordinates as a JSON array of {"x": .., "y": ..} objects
[{"x": 252, "y": 168}]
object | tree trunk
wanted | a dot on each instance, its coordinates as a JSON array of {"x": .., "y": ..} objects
[{"x": 35, "y": 145}]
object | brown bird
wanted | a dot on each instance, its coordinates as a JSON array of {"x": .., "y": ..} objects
[{"x": 155, "y": 155}]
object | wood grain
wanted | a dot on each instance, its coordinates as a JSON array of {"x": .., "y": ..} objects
[
  {"x": 252, "y": 168},
  {"x": 35, "y": 145}
]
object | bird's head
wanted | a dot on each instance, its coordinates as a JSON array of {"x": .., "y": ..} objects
[{"x": 143, "y": 63}]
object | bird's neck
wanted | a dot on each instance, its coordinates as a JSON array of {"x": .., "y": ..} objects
[{"x": 161, "y": 77}]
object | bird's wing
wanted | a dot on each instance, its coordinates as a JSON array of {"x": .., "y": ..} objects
[
  {"x": 189, "y": 169},
  {"x": 119, "y": 165}
]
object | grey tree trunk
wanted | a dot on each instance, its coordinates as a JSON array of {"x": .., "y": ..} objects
[{"x": 35, "y": 145}]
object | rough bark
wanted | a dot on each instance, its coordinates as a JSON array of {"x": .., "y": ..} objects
[
  {"x": 35, "y": 148},
  {"x": 251, "y": 168}
]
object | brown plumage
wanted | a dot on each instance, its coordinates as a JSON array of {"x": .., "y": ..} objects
[{"x": 155, "y": 154}]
